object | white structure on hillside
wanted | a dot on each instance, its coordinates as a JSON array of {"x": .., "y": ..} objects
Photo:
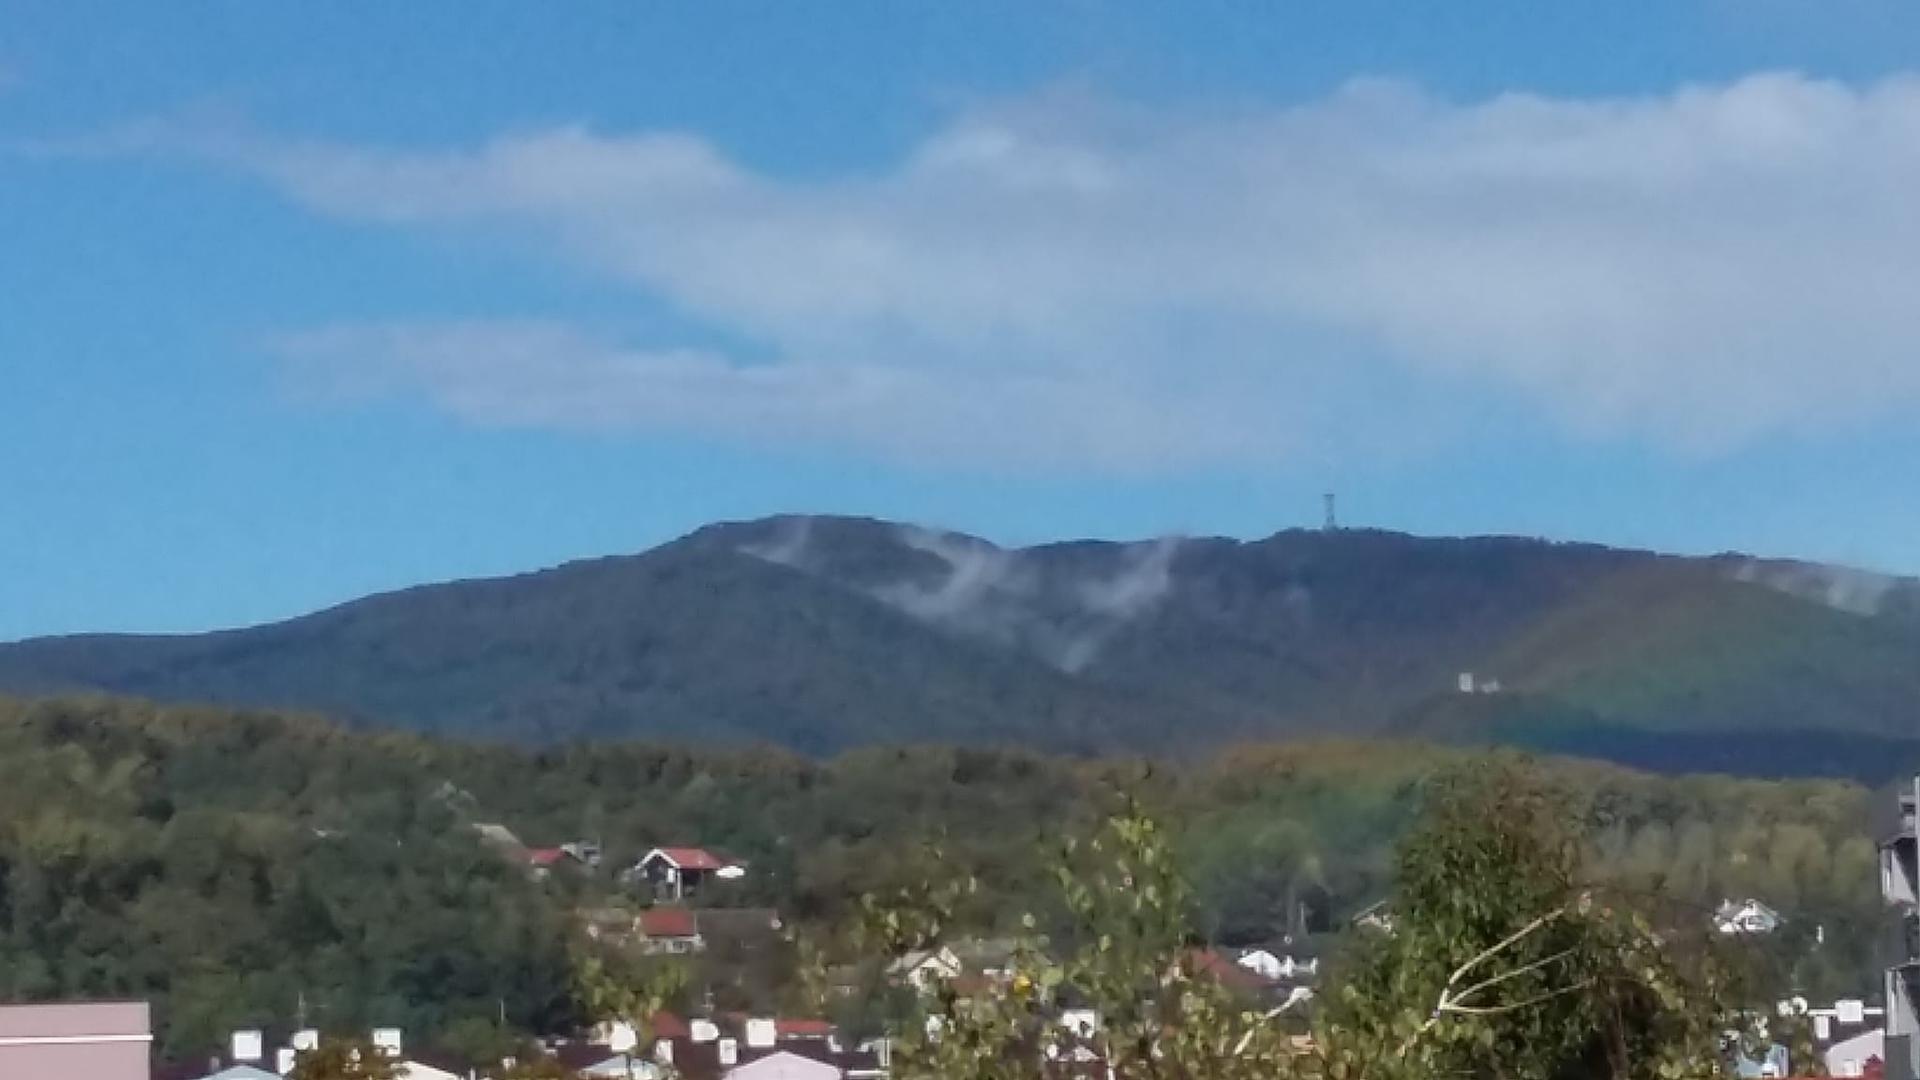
[
  {"x": 923, "y": 969},
  {"x": 1266, "y": 964},
  {"x": 1747, "y": 916}
]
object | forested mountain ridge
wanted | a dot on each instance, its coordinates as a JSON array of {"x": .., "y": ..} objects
[{"x": 821, "y": 633}]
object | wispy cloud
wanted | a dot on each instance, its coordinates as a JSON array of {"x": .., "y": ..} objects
[
  {"x": 550, "y": 375},
  {"x": 1103, "y": 284}
]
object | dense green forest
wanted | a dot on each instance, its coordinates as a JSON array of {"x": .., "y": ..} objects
[
  {"x": 824, "y": 634},
  {"x": 239, "y": 867}
]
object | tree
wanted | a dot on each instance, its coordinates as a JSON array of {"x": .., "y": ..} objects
[
  {"x": 1502, "y": 964},
  {"x": 343, "y": 1059},
  {"x": 1160, "y": 1014},
  {"x": 537, "y": 1066},
  {"x": 635, "y": 993}
]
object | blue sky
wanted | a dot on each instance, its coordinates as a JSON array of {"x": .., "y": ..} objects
[{"x": 299, "y": 302}]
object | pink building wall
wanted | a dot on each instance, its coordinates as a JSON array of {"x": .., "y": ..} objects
[{"x": 107, "y": 1040}]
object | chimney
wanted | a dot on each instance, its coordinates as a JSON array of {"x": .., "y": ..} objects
[
  {"x": 387, "y": 1041},
  {"x": 729, "y": 1052},
  {"x": 245, "y": 1047}
]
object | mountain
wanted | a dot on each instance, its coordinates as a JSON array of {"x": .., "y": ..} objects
[{"x": 821, "y": 633}]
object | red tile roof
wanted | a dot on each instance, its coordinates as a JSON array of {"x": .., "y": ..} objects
[
  {"x": 692, "y": 858},
  {"x": 803, "y": 1029},
  {"x": 668, "y": 922},
  {"x": 1227, "y": 973}
]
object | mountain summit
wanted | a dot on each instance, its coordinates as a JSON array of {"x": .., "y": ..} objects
[{"x": 824, "y": 632}]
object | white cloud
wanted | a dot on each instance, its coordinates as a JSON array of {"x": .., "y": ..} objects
[
  {"x": 549, "y": 375},
  {"x": 1097, "y": 284}
]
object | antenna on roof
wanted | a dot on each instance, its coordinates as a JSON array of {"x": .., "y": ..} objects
[{"x": 1333, "y": 522}]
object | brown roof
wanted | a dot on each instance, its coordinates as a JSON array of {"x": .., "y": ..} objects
[
  {"x": 669, "y": 922},
  {"x": 576, "y": 1056},
  {"x": 666, "y": 1025}
]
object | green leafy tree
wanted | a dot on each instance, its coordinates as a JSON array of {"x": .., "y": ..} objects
[
  {"x": 1501, "y": 964},
  {"x": 343, "y": 1059},
  {"x": 1128, "y": 961},
  {"x": 610, "y": 987}
]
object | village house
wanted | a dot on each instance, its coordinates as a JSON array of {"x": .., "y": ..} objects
[
  {"x": 672, "y": 930},
  {"x": 989, "y": 958},
  {"x": 1747, "y": 916},
  {"x": 1280, "y": 966},
  {"x": 1376, "y": 916},
  {"x": 924, "y": 969},
  {"x": 681, "y": 873}
]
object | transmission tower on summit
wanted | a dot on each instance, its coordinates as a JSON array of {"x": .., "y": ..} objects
[{"x": 1333, "y": 522}]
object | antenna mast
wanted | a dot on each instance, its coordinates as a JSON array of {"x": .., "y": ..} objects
[{"x": 1333, "y": 522}]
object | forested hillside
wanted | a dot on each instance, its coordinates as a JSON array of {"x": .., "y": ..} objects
[
  {"x": 821, "y": 634},
  {"x": 238, "y": 867}
]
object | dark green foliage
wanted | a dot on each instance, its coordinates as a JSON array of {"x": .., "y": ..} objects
[
  {"x": 820, "y": 634},
  {"x": 229, "y": 865},
  {"x": 1503, "y": 960},
  {"x": 343, "y": 1059},
  {"x": 236, "y": 874}
]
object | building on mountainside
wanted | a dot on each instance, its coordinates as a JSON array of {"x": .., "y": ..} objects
[
  {"x": 989, "y": 958},
  {"x": 1245, "y": 982},
  {"x": 1747, "y": 916},
  {"x": 1376, "y": 916},
  {"x": 500, "y": 838},
  {"x": 99, "y": 1040},
  {"x": 586, "y": 852},
  {"x": 1278, "y": 965},
  {"x": 923, "y": 969},
  {"x": 1900, "y": 884},
  {"x": 542, "y": 861},
  {"x": 1469, "y": 683},
  {"x": 674, "y": 930},
  {"x": 681, "y": 873}
]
